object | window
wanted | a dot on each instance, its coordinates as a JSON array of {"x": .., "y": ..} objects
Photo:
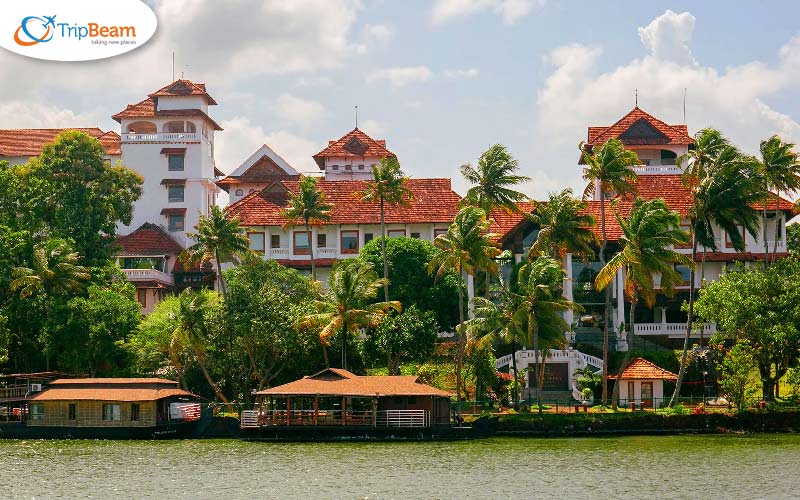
[
  {"x": 685, "y": 273},
  {"x": 394, "y": 233},
  {"x": 175, "y": 194},
  {"x": 135, "y": 412},
  {"x": 142, "y": 263},
  {"x": 668, "y": 157},
  {"x": 301, "y": 244},
  {"x": 275, "y": 241},
  {"x": 686, "y": 228},
  {"x": 238, "y": 192},
  {"x": 349, "y": 241},
  {"x": 110, "y": 412},
  {"x": 37, "y": 411},
  {"x": 175, "y": 163},
  {"x": 728, "y": 242},
  {"x": 175, "y": 222},
  {"x": 437, "y": 232},
  {"x": 72, "y": 411},
  {"x": 141, "y": 296},
  {"x": 415, "y": 236},
  {"x": 256, "y": 242},
  {"x": 322, "y": 240},
  {"x": 368, "y": 237}
]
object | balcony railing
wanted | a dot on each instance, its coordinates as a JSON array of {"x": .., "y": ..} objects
[
  {"x": 149, "y": 275},
  {"x": 382, "y": 418},
  {"x": 327, "y": 252},
  {"x": 674, "y": 330},
  {"x": 657, "y": 169},
  {"x": 14, "y": 391},
  {"x": 162, "y": 137},
  {"x": 279, "y": 253}
]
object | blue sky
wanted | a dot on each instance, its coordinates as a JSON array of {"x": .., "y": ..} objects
[{"x": 441, "y": 80}]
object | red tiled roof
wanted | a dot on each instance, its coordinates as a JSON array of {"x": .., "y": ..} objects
[
  {"x": 336, "y": 149},
  {"x": 147, "y": 109},
  {"x": 641, "y": 369},
  {"x": 148, "y": 239},
  {"x": 110, "y": 389},
  {"x": 676, "y": 134},
  {"x": 31, "y": 141},
  {"x": 434, "y": 201},
  {"x": 338, "y": 382},
  {"x": 503, "y": 222},
  {"x": 183, "y": 88}
]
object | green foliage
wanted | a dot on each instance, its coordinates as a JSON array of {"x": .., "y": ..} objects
[
  {"x": 793, "y": 237},
  {"x": 565, "y": 227},
  {"x": 761, "y": 307},
  {"x": 735, "y": 374},
  {"x": 408, "y": 336},
  {"x": 408, "y": 260},
  {"x": 493, "y": 181},
  {"x": 5, "y": 338},
  {"x": 309, "y": 206},
  {"x": 149, "y": 345}
]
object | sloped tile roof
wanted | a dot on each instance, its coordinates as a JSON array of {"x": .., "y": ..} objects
[
  {"x": 31, "y": 141},
  {"x": 337, "y": 149},
  {"x": 503, "y": 222},
  {"x": 641, "y": 369},
  {"x": 147, "y": 109},
  {"x": 338, "y": 382},
  {"x": 110, "y": 389},
  {"x": 183, "y": 88},
  {"x": 677, "y": 134},
  {"x": 434, "y": 201},
  {"x": 148, "y": 239}
]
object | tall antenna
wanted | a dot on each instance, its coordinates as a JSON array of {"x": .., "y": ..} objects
[
  {"x": 356, "y": 115},
  {"x": 684, "y": 105},
  {"x": 636, "y": 97},
  {"x": 173, "y": 65}
]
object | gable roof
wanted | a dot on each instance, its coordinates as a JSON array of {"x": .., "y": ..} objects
[
  {"x": 110, "y": 389},
  {"x": 630, "y": 127},
  {"x": 147, "y": 109},
  {"x": 31, "y": 141},
  {"x": 148, "y": 239},
  {"x": 641, "y": 369},
  {"x": 338, "y": 382},
  {"x": 264, "y": 165},
  {"x": 184, "y": 88},
  {"x": 433, "y": 201},
  {"x": 354, "y": 144}
]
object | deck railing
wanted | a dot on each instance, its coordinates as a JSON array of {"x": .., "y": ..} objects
[
  {"x": 161, "y": 137},
  {"x": 383, "y": 418},
  {"x": 14, "y": 391}
]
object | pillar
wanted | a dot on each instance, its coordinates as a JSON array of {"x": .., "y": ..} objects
[
  {"x": 374, "y": 412},
  {"x": 316, "y": 409},
  {"x": 288, "y": 411},
  {"x": 344, "y": 410},
  {"x": 569, "y": 315}
]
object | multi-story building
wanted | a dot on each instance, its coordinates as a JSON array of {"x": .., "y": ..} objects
[{"x": 352, "y": 224}]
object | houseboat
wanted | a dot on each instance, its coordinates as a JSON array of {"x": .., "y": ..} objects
[
  {"x": 335, "y": 404},
  {"x": 106, "y": 408}
]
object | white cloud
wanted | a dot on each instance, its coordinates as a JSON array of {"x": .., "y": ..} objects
[
  {"x": 461, "y": 73},
  {"x": 377, "y": 33},
  {"x": 373, "y": 128},
  {"x": 509, "y": 10},
  {"x": 668, "y": 36},
  {"x": 23, "y": 114},
  {"x": 400, "y": 77},
  {"x": 299, "y": 111},
  {"x": 577, "y": 95}
]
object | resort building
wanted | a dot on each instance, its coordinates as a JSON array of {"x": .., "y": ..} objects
[
  {"x": 352, "y": 223},
  {"x": 642, "y": 384},
  {"x": 18, "y": 146}
]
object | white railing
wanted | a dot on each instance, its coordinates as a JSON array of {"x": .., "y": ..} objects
[
  {"x": 15, "y": 391},
  {"x": 675, "y": 330},
  {"x": 279, "y": 253},
  {"x": 402, "y": 418},
  {"x": 248, "y": 419},
  {"x": 327, "y": 252},
  {"x": 591, "y": 360},
  {"x": 503, "y": 361},
  {"x": 148, "y": 275},
  {"x": 162, "y": 137},
  {"x": 657, "y": 169}
]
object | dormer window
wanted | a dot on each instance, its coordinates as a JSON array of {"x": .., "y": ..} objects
[{"x": 356, "y": 147}]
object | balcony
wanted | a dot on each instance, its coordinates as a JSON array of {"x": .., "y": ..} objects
[
  {"x": 657, "y": 169},
  {"x": 161, "y": 137},
  {"x": 135, "y": 275},
  {"x": 672, "y": 330}
]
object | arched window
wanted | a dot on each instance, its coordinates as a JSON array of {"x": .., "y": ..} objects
[
  {"x": 668, "y": 157},
  {"x": 176, "y": 127},
  {"x": 142, "y": 128},
  {"x": 239, "y": 192}
]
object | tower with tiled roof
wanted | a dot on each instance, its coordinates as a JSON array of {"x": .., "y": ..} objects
[{"x": 352, "y": 156}]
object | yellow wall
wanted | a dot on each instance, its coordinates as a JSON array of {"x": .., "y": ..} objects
[{"x": 90, "y": 414}]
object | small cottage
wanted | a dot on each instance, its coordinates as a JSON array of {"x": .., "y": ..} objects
[{"x": 642, "y": 383}]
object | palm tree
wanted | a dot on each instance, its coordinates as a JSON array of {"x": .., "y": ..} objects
[
  {"x": 388, "y": 187},
  {"x": 608, "y": 170},
  {"x": 539, "y": 285},
  {"x": 347, "y": 307},
  {"x": 649, "y": 234},
  {"x": 465, "y": 246},
  {"x": 564, "y": 227},
  {"x": 723, "y": 197},
  {"x": 218, "y": 237},
  {"x": 309, "y": 205},
  {"x": 779, "y": 171},
  {"x": 494, "y": 179},
  {"x": 192, "y": 330},
  {"x": 54, "y": 270}
]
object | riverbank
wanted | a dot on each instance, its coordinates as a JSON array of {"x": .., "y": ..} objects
[{"x": 644, "y": 423}]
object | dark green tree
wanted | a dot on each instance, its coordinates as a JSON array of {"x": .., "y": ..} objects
[
  {"x": 408, "y": 336},
  {"x": 308, "y": 205}
]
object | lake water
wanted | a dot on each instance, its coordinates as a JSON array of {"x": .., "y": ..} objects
[{"x": 757, "y": 466}]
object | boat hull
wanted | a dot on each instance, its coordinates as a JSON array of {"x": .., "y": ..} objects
[{"x": 166, "y": 431}]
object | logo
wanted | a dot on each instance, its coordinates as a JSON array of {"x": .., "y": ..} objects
[
  {"x": 48, "y": 22},
  {"x": 80, "y": 31}
]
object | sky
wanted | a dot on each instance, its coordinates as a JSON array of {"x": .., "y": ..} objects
[{"x": 440, "y": 80}]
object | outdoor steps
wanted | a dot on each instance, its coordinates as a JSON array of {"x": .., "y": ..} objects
[{"x": 553, "y": 397}]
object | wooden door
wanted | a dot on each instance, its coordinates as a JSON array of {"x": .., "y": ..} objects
[{"x": 647, "y": 394}]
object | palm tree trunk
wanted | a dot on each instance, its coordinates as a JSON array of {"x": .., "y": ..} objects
[
  {"x": 626, "y": 359},
  {"x": 383, "y": 253},
  {"x": 311, "y": 250},
  {"x": 222, "y": 287},
  {"x": 533, "y": 331},
  {"x": 764, "y": 224},
  {"x": 459, "y": 351},
  {"x": 682, "y": 370},
  {"x": 325, "y": 356},
  {"x": 777, "y": 221},
  {"x": 344, "y": 345},
  {"x": 210, "y": 381},
  {"x": 514, "y": 367},
  {"x": 488, "y": 284},
  {"x": 607, "y": 295}
]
